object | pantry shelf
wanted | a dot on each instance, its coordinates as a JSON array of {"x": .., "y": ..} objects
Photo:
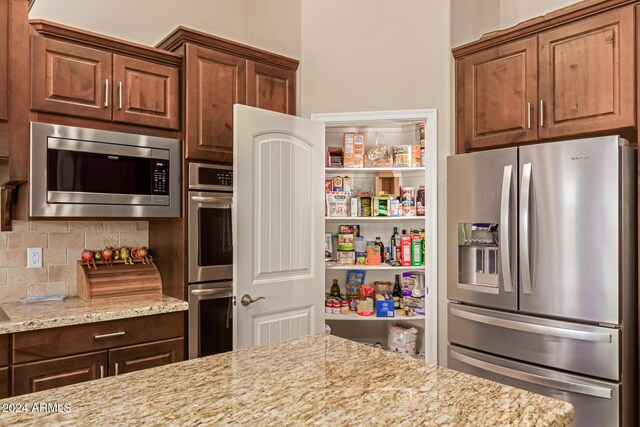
[
  {"x": 411, "y": 169},
  {"x": 355, "y": 317},
  {"x": 348, "y": 219},
  {"x": 374, "y": 267}
]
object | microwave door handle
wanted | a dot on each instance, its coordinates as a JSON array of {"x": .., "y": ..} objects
[
  {"x": 504, "y": 229},
  {"x": 525, "y": 218}
]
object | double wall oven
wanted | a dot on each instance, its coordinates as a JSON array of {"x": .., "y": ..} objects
[{"x": 210, "y": 259}]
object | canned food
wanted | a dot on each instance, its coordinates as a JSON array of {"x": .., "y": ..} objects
[
  {"x": 328, "y": 306},
  {"x": 336, "y": 306},
  {"x": 344, "y": 306}
]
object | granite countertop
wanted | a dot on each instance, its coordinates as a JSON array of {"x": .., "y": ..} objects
[
  {"x": 74, "y": 311},
  {"x": 316, "y": 380}
]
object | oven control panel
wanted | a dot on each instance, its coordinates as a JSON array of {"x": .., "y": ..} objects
[{"x": 210, "y": 177}]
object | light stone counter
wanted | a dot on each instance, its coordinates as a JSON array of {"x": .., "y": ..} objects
[
  {"x": 316, "y": 380},
  {"x": 74, "y": 311}
]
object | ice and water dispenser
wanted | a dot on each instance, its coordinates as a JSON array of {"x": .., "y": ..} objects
[{"x": 478, "y": 255}]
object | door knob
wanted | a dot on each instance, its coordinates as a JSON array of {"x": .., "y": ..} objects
[{"x": 246, "y": 299}]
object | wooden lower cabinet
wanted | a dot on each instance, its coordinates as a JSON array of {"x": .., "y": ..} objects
[
  {"x": 4, "y": 382},
  {"x": 47, "y": 374},
  {"x": 143, "y": 356}
]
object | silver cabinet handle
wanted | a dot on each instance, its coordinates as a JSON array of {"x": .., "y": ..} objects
[
  {"x": 101, "y": 371},
  {"x": 529, "y": 115},
  {"x": 116, "y": 373},
  {"x": 525, "y": 262},
  {"x": 246, "y": 299},
  {"x": 115, "y": 334},
  {"x": 119, "y": 95},
  {"x": 534, "y": 329},
  {"x": 586, "y": 389},
  {"x": 106, "y": 93},
  {"x": 541, "y": 113},
  {"x": 504, "y": 229}
]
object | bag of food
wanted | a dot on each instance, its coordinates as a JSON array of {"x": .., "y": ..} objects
[
  {"x": 378, "y": 155},
  {"x": 402, "y": 339},
  {"x": 338, "y": 204}
]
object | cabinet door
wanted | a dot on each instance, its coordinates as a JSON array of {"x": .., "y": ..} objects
[
  {"x": 52, "y": 373},
  {"x": 70, "y": 79},
  {"x": 143, "y": 356},
  {"x": 4, "y": 382},
  {"x": 587, "y": 81},
  {"x": 498, "y": 101},
  {"x": 214, "y": 82},
  {"x": 271, "y": 88},
  {"x": 145, "y": 93}
]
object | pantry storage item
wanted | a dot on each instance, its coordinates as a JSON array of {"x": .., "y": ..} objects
[{"x": 378, "y": 217}]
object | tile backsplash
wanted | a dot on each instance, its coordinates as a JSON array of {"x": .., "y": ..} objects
[{"x": 62, "y": 243}]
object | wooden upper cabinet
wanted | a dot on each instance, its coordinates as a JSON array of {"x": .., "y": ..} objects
[
  {"x": 498, "y": 96},
  {"x": 271, "y": 88},
  {"x": 587, "y": 81},
  {"x": 70, "y": 79},
  {"x": 214, "y": 82},
  {"x": 52, "y": 373},
  {"x": 146, "y": 93},
  {"x": 143, "y": 356}
]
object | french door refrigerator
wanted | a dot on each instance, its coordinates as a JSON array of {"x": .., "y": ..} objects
[{"x": 541, "y": 280}]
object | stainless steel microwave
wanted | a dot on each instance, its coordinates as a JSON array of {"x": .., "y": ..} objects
[{"x": 79, "y": 172}]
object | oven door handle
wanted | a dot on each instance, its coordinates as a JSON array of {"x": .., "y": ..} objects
[
  {"x": 220, "y": 293},
  {"x": 211, "y": 200}
]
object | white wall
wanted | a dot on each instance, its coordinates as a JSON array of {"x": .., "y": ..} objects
[
  {"x": 515, "y": 11},
  {"x": 272, "y": 25},
  {"x": 472, "y": 18}
]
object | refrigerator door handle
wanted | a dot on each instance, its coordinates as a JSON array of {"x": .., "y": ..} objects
[
  {"x": 525, "y": 266},
  {"x": 534, "y": 329},
  {"x": 571, "y": 387},
  {"x": 504, "y": 229}
]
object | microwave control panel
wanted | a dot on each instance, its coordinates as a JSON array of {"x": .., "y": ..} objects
[{"x": 160, "y": 178}]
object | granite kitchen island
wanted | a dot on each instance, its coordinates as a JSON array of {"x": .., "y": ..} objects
[{"x": 315, "y": 380}]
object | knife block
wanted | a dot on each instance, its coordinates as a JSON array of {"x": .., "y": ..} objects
[{"x": 119, "y": 280}]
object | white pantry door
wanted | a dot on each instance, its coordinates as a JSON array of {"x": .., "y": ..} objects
[{"x": 278, "y": 226}]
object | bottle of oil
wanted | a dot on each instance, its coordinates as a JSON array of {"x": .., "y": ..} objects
[{"x": 335, "y": 288}]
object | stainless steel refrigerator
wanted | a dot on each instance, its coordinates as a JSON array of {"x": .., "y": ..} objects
[{"x": 542, "y": 280}]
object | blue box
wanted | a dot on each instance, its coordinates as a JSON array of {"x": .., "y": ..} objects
[{"x": 384, "y": 308}]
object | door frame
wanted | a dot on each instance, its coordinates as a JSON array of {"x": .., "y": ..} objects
[{"x": 431, "y": 199}]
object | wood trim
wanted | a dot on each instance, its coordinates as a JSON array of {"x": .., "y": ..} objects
[
  {"x": 7, "y": 196},
  {"x": 112, "y": 44},
  {"x": 103, "y": 125},
  {"x": 182, "y": 35},
  {"x": 552, "y": 19}
]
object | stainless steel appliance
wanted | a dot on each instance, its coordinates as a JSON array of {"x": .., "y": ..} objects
[
  {"x": 79, "y": 172},
  {"x": 541, "y": 272},
  {"x": 210, "y": 258},
  {"x": 210, "y": 240},
  {"x": 210, "y": 318}
]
